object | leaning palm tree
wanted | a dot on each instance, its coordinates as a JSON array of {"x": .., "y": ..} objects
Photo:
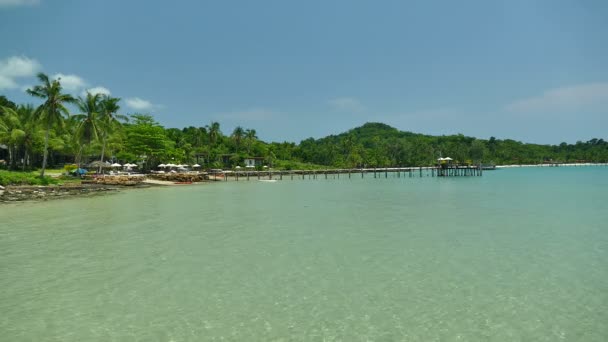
[
  {"x": 51, "y": 112},
  {"x": 88, "y": 122},
  {"x": 109, "y": 120},
  {"x": 238, "y": 135}
]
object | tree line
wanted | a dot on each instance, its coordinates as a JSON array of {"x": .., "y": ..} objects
[{"x": 50, "y": 134}]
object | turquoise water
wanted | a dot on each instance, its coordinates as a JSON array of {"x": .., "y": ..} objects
[{"x": 515, "y": 255}]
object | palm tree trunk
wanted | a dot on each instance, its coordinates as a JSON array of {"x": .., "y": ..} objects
[
  {"x": 79, "y": 156},
  {"x": 46, "y": 149},
  {"x": 24, "y": 158},
  {"x": 10, "y": 157},
  {"x": 103, "y": 152}
]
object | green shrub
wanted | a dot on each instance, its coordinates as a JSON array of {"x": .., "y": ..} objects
[{"x": 24, "y": 178}]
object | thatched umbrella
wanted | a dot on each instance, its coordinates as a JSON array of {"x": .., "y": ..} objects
[{"x": 99, "y": 163}]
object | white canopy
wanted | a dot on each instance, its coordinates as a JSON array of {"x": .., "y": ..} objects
[
  {"x": 196, "y": 165},
  {"x": 115, "y": 165},
  {"x": 162, "y": 165},
  {"x": 447, "y": 158}
]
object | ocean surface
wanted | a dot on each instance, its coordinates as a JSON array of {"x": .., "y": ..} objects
[{"x": 516, "y": 255}]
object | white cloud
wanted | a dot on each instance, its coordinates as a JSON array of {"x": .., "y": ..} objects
[
  {"x": 565, "y": 98},
  {"x": 96, "y": 90},
  {"x": 70, "y": 82},
  {"x": 7, "y": 82},
  {"x": 14, "y": 3},
  {"x": 140, "y": 104},
  {"x": 346, "y": 104},
  {"x": 15, "y": 67}
]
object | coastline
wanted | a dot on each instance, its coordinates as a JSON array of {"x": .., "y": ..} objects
[
  {"x": 112, "y": 184},
  {"x": 27, "y": 193},
  {"x": 97, "y": 186},
  {"x": 550, "y": 165}
]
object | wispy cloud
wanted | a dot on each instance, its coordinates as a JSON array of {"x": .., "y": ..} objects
[
  {"x": 15, "y": 3},
  {"x": 575, "y": 97},
  {"x": 252, "y": 114},
  {"x": 137, "y": 103},
  {"x": 96, "y": 90},
  {"x": 346, "y": 104},
  {"x": 70, "y": 82},
  {"x": 15, "y": 67}
]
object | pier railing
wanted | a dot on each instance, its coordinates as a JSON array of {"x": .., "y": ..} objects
[{"x": 421, "y": 171}]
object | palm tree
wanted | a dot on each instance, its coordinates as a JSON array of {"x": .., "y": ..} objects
[
  {"x": 109, "y": 120},
  {"x": 52, "y": 111},
  {"x": 88, "y": 125},
  {"x": 214, "y": 132},
  {"x": 238, "y": 135},
  {"x": 18, "y": 128},
  {"x": 250, "y": 136}
]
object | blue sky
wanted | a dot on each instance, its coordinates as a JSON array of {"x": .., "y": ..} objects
[{"x": 535, "y": 71}]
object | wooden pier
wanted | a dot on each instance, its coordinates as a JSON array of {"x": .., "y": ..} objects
[{"x": 397, "y": 172}]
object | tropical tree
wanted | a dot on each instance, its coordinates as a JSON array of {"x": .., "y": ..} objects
[
  {"x": 238, "y": 134},
  {"x": 109, "y": 120},
  {"x": 88, "y": 127},
  {"x": 19, "y": 130},
  {"x": 146, "y": 139},
  {"x": 214, "y": 133},
  {"x": 51, "y": 112},
  {"x": 250, "y": 137}
]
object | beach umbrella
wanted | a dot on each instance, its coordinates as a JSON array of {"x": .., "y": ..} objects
[
  {"x": 98, "y": 163},
  {"x": 196, "y": 165},
  {"x": 115, "y": 165},
  {"x": 162, "y": 165},
  {"x": 440, "y": 159},
  {"x": 447, "y": 158}
]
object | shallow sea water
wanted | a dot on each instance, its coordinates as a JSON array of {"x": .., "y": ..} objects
[{"x": 515, "y": 255}]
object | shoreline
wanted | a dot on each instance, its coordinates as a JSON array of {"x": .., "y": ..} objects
[
  {"x": 550, "y": 165},
  {"x": 33, "y": 193}
]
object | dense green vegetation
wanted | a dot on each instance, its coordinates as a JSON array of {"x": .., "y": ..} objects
[
  {"x": 24, "y": 178},
  {"x": 34, "y": 137},
  {"x": 377, "y": 144}
]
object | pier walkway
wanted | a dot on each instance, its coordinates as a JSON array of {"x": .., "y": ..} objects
[{"x": 425, "y": 171}]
